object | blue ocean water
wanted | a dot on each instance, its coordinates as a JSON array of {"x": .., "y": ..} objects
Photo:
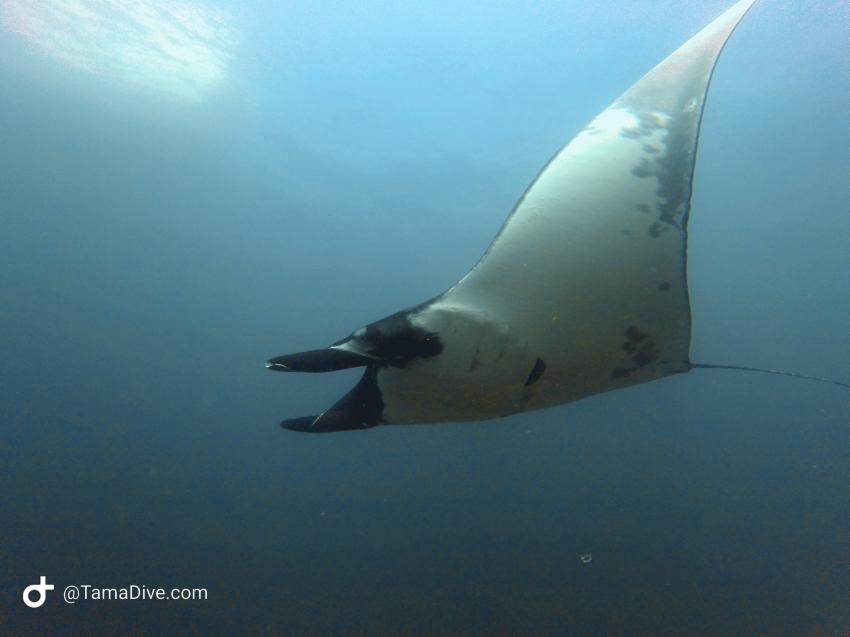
[{"x": 189, "y": 189}]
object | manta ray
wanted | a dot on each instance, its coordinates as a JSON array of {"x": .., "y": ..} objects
[{"x": 583, "y": 290}]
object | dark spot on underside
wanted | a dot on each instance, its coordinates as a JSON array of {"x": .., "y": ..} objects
[
  {"x": 664, "y": 286},
  {"x": 646, "y": 354},
  {"x": 655, "y": 230},
  {"x": 536, "y": 372},
  {"x": 649, "y": 121},
  {"x": 635, "y": 335},
  {"x": 643, "y": 170},
  {"x": 640, "y": 348}
]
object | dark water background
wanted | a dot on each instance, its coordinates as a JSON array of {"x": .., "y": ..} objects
[{"x": 156, "y": 250}]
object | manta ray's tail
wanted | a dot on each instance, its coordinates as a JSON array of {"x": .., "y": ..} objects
[{"x": 770, "y": 371}]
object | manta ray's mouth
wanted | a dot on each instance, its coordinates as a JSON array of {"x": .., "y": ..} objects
[
  {"x": 393, "y": 341},
  {"x": 360, "y": 408}
]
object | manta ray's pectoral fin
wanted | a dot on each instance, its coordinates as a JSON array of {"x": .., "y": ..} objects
[
  {"x": 360, "y": 408},
  {"x": 318, "y": 360}
]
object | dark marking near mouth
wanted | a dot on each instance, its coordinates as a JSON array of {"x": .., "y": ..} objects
[
  {"x": 536, "y": 372},
  {"x": 664, "y": 286},
  {"x": 643, "y": 207},
  {"x": 655, "y": 230},
  {"x": 395, "y": 340}
]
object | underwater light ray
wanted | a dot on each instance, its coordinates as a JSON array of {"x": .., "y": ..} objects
[{"x": 175, "y": 47}]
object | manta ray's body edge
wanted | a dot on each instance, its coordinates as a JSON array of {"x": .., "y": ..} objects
[{"x": 583, "y": 290}]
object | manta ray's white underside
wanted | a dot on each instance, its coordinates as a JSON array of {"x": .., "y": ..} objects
[{"x": 584, "y": 290}]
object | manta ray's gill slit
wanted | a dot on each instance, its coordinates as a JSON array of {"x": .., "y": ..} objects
[{"x": 536, "y": 372}]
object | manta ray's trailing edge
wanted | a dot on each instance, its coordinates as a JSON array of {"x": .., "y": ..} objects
[{"x": 583, "y": 290}]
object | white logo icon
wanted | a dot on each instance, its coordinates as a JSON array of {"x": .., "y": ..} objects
[{"x": 41, "y": 588}]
